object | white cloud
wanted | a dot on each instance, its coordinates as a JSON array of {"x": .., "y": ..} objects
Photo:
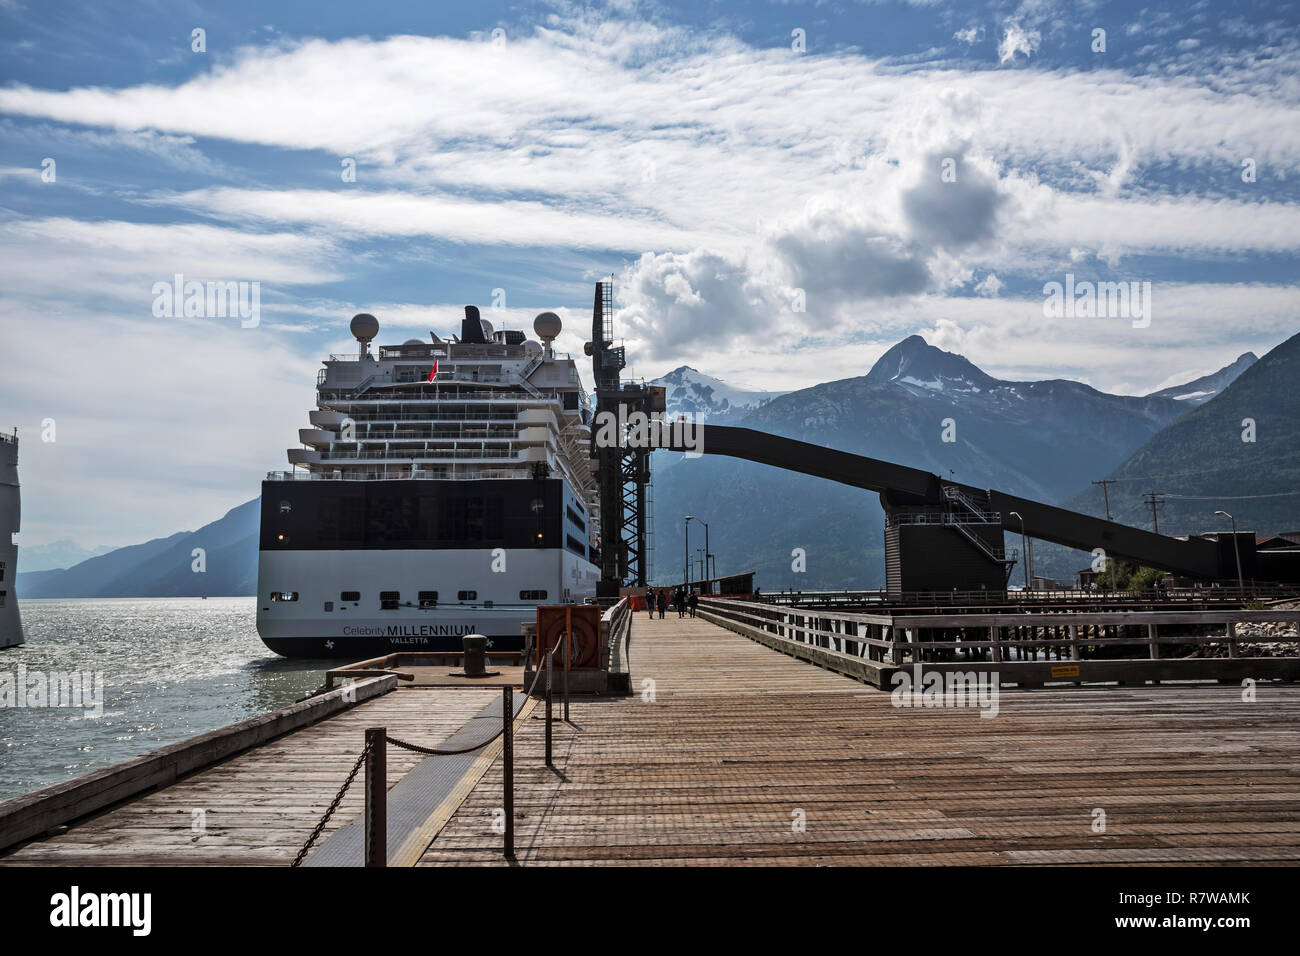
[
  {"x": 60, "y": 259},
  {"x": 141, "y": 411},
  {"x": 1017, "y": 39}
]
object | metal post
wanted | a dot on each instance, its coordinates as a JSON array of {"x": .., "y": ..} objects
[
  {"x": 686, "y": 553},
  {"x": 549, "y": 656},
  {"x": 568, "y": 639},
  {"x": 508, "y": 761},
  {"x": 376, "y": 819},
  {"x": 708, "y": 574},
  {"x": 1024, "y": 547},
  {"x": 1241, "y": 584}
]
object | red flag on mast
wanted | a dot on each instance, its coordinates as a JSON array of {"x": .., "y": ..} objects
[{"x": 433, "y": 372}]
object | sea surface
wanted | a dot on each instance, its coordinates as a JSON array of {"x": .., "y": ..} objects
[{"x": 172, "y": 668}]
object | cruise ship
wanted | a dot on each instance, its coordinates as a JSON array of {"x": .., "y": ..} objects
[
  {"x": 11, "y": 622},
  {"x": 443, "y": 488}
]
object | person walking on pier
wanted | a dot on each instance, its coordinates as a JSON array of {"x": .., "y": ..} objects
[
  {"x": 650, "y": 602},
  {"x": 679, "y": 599},
  {"x": 694, "y": 601},
  {"x": 661, "y": 601}
]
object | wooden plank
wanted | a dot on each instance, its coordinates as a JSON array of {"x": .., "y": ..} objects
[
  {"x": 737, "y": 738},
  {"x": 259, "y": 806}
]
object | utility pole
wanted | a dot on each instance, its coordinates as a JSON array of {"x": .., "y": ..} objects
[
  {"x": 1154, "y": 498},
  {"x": 1105, "y": 491}
]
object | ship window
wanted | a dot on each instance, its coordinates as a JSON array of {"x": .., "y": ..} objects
[
  {"x": 329, "y": 605},
  {"x": 576, "y": 546},
  {"x": 388, "y": 600},
  {"x": 532, "y": 595},
  {"x": 466, "y": 595},
  {"x": 284, "y": 595},
  {"x": 3, "y": 595},
  {"x": 428, "y": 599},
  {"x": 285, "y": 507},
  {"x": 353, "y": 596},
  {"x": 576, "y": 518}
]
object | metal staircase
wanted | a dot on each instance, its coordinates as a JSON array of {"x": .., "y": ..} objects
[{"x": 975, "y": 514}]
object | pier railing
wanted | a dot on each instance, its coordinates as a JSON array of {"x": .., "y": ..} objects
[
  {"x": 1217, "y": 594},
  {"x": 616, "y": 623},
  {"x": 1030, "y": 648}
]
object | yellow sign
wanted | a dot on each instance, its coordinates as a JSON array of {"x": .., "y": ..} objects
[{"x": 1067, "y": 670}]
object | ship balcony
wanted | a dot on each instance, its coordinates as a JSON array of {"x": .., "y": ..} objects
[
  {"x": 537, "y": 436},
  {"x": 508, "y": 453},
  {"x": 316, "y": 436},
  {"x": 537, "y": 416},
  {"x": 304, "y": 456},
  {"x": 460, "y": 431},
  {"x": 326, "y": 417},
  {"x": 399, "y": 416}
]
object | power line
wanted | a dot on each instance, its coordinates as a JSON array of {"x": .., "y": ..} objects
[
  {"x": 1209, "y": 471},
  {"x": 1280, "y": 494}
]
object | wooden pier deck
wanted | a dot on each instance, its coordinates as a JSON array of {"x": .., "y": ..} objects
[
  {"x": 740, "y": 739},
  {"x": 259, "y": 806},
  {"x": 727, "y": 745}
]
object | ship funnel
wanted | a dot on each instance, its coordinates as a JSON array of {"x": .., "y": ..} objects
[{"x": 471, "y": 327}]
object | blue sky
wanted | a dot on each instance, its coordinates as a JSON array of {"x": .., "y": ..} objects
[{"x": 723, "y": 161}]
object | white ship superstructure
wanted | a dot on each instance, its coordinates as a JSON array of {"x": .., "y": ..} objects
[
  {"x": 11, "y": 622},
  {"x": 443, "y": 488}
]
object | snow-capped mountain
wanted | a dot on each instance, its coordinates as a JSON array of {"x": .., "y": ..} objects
[
  {"x": 1201, "y": 390},
  {"x": 918, "y": 406},
  {"x": 693, "y": 392},
  {"x": 917, "y": 367}
]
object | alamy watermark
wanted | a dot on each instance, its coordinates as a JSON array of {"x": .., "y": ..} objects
[
  {"x": 638, "y": 430},
  {"x": 946, "y": 689},
  {"x": 1085, "y": 299},
  {"x": 208, "y": 300},
  {"x": 24, "y": 688}
]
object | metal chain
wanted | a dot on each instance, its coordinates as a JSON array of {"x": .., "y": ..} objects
[
  {"x": 435, "y": 752},
  {"x": 315, "y": 834},
  {"x": 431, "y": 751}
]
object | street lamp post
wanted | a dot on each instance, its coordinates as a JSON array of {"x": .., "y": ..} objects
[
  {"x": 1241, "y": 585},
  {"x": 706, "y": 574},
  {"x": 1024, "y": 547},
  {"x": 686, "y": 555}
]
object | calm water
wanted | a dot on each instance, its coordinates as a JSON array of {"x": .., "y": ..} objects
[{"x": 173, "y": 668}]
